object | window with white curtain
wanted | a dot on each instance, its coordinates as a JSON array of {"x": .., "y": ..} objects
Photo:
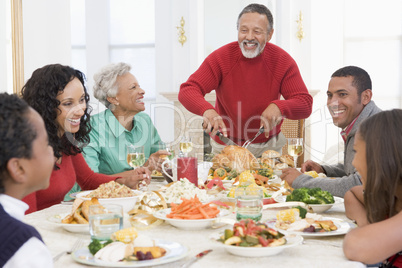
[
  {"x": 373, "y": 41},
  {"x": 131, "y": 38}
]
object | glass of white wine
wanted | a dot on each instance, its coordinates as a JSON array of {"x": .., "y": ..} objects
[
  {"x": 186, "y": 145},
  {"x": 135, "y": 156},
  {"x": 295, "y": 148}
]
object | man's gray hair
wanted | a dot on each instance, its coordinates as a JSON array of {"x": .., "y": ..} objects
[
  {"x": 260, "y": 9},
  {"x": 105, "y": 81}
]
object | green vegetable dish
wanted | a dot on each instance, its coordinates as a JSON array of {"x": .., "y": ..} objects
[
  {"x": 314, "y": 196},
  {"x": 96, "y": 245}
]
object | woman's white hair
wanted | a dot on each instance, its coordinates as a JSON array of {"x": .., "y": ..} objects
[{"x": 105, "y": 81}]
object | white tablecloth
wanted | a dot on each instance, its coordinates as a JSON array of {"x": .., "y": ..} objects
[{"x": 314, "y": 252}]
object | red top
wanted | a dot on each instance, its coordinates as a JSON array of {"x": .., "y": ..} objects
[
  {"x": 245, "y": 87},
  {"x": 72, "y": 169}
]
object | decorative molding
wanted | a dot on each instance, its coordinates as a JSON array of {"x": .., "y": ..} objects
[{"x": 17, "y": 45}]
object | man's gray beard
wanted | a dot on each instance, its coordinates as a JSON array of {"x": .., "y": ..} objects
[{"x": 250, "y": 54}]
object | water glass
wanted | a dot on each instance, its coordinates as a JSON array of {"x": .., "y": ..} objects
[
  {"x": 104, "y": 220},
  {"x": 249, "y": 203}
]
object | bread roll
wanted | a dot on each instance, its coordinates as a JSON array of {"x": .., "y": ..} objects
[
  {"x": 270, "y": 154},
  {"x": 288, "y": 159}
]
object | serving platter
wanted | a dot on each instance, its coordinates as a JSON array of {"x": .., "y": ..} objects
[{"x": 174, "y": 251}]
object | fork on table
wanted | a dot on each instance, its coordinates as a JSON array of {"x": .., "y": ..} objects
[{"x": 78, "y": 243}]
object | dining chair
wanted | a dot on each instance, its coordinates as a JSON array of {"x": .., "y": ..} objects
[{"x": 293, "y": 129}]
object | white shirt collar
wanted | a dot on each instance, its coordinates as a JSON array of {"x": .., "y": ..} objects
[{"x": 13, "y": 206}]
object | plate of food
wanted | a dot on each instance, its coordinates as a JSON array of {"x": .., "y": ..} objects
[
  {"x": 319, "y": 200},
  {"x": 71, "y": 227},
  {"x": 191, "y": 214},
  {"x": 157, "y": 176},
  {"x": 289, "y": 221},
  {"x": 256, "y": 240},
  {"x": 77, "y": 220},
  {"x": 168, "y": 251}
]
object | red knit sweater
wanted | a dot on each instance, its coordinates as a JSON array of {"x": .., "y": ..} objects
[
  {"x": 245, "y": 87},
  {"x": 72, "y": 169}
]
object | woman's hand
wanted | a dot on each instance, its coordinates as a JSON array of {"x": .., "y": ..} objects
[
  {"x": 155, "y": 161},
  {"x": 133, "y": 178}
]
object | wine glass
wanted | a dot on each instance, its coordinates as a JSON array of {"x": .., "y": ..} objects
[
  {"x": 295, "y": 148},
  {"x": 186, "y": 145},
  {"x": 167, "y": 148},
  {"x": 135, "y": 156}
]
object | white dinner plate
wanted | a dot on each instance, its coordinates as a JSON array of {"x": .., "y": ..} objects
[
  {"x": 174, "y": 252},
  {"x": 343, "y": 228},
  {"x": 292, "y": 240},
  {"x": 190, "y": 225},
  {"x": 316, "y": 208},
  {"x": 74, "y": 228}
]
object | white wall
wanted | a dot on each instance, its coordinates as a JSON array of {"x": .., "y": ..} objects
[{"x": 46, "y": 26}]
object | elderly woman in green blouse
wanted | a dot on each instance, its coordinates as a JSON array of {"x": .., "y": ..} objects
[{"x": 122, "y": 124}]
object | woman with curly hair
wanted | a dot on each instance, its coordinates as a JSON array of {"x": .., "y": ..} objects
[
  {"x": 376, "y": 205},
  {"x": 59, "y": 95}
]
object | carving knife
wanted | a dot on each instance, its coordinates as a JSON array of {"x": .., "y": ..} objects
[
  {"x": 226, "y": 140},
  {"x": 196, "y": 258}
]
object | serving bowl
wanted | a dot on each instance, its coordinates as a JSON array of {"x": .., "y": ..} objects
[
  {"x": 127, "y": 203},
  {"x": 190, "y": 225},
  {"x": 292, "y": 240},
  {"x": 316, "y": 208}
]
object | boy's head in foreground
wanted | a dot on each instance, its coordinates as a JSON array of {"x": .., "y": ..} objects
[{"x": 26, "y": 158}]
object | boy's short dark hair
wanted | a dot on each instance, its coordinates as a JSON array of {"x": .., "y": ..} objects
[{"x": 16, "y": 132}]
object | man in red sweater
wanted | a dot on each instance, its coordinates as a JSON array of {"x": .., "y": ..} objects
[{"x": 249, "y": 76}]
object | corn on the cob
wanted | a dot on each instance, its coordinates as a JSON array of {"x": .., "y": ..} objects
[
  {"x": 312, "y": 173},
  {"x": 288, "y": 215},
  {"x": 245, "y": 178},
  {"x": 126, "y": 235}
]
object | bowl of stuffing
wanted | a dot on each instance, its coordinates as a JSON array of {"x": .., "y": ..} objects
[{"x": 113, "y": 193}]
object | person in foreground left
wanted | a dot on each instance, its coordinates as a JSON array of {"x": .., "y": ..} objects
[
  {"x": 58, "y": 94},
  {"x": 376, "y": 206},
  {"x": 26, "y": 162}
]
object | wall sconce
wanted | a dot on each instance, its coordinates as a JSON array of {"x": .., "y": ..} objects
[
  {"x": 180, "y": 29},
  {"x": 300, "y": 31}
]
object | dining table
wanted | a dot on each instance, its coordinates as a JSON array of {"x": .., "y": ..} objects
[{"x": 316, "y": 251}]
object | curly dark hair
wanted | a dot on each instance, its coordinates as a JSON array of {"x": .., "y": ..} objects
[
  {"x": 40, "y": 92},
  {"x": 16, "y": 132}
]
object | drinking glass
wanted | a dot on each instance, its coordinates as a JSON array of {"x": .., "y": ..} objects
[
  {"x": 135, "y": 156},
  {"x": 104, "y": 220},
  {"x": 295, "y": 148},
  {"x": 186, "y": 145},
  {"x": 249, "y": 203},
  {"x": 166, "y": 147}
]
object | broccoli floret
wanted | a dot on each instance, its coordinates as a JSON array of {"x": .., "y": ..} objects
[
  {"x": 302, "y": 212},
  {"x": 266, "y": 172},
  {"x": 311, "y": 196},
  {"x": 300, "y": 194},
  {"x": 96, "y": 245},
  {"x": 232, "y": 174}
]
